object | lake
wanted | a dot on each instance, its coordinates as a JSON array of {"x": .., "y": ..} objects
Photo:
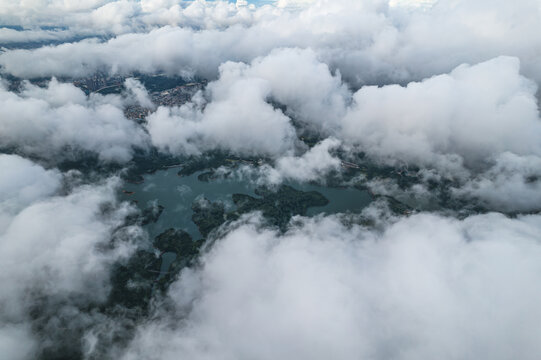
[{"x": 176, "y": 194}]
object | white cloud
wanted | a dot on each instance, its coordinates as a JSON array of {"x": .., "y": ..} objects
[
  {"x": 313, "y": 165},
  {"x": 299, "y": 80},
  {"x": 16, "y": 342},
  {"x": 47, "y": 121},
  {"x": 52, "y": 246},
  {"x": 237, "y": 118},
  {"x": 426, "y": 287},
  {"x": 512, "y": 184},
  {"x": 106, "y": 18},
  {"x": 470, "y": 115},
  {"x": 23, "y": 182},
  {"x": 138, "y": 93},
  {"x": 414, "y": 3},
  {"x": 458, "y": 124},
  {"x": 368, "y": 41}
]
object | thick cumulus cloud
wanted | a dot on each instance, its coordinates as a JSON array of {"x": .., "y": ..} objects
[
  {"x": 236, "y": 118},
  {"x": 425, "y": 287},
  {"x": 470, "y": 115},
  {"x": 138, "y": 93},
  {"x": 479, "y": 124},
  {"x": 314, "y": 165},
  {"x": 208, "y": 48},
  {"x": 459, "y": 124},
  {"x": 110, "y": 17},
  {"x": 368, "y": 41},
  {"x": 24, "y": 182},
  {"x": 304, "y": 85},
  {"x": 48, "y": 121},
  {"x": 21, "y": 184},
  {"x": 53, "y": 246},
  {"x": 150, "y": 52},
  {"x": 238, "y": 110},
  {"x": 512, "y": 184}
]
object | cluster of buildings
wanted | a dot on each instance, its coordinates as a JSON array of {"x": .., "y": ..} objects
[
  {"x": 177, "y": 95},
  {"x": 99, "y": 82}
]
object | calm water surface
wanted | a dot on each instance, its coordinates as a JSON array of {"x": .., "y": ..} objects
[{"x": 176, "y": 194}]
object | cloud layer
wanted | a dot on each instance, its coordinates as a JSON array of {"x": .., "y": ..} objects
[
  {"x": 368, "y": 41},
  {"x": 425, "y": 287},
  {"x": 433, "y": 104},
  {"x": 56, "y": 252},
  {"x": 59, "y": 119}
]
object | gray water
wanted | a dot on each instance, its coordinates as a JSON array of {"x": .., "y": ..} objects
[
  {"x": 167, "y": 260},
  {"x": 176, "y": 194}
]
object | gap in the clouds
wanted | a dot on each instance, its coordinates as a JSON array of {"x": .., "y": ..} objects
[
  {"x": 41, "y": 36},
  {"x": 179, "y": 194}
]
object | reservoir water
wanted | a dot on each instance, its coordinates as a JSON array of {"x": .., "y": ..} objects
[{"x": 176, "y": 194}]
